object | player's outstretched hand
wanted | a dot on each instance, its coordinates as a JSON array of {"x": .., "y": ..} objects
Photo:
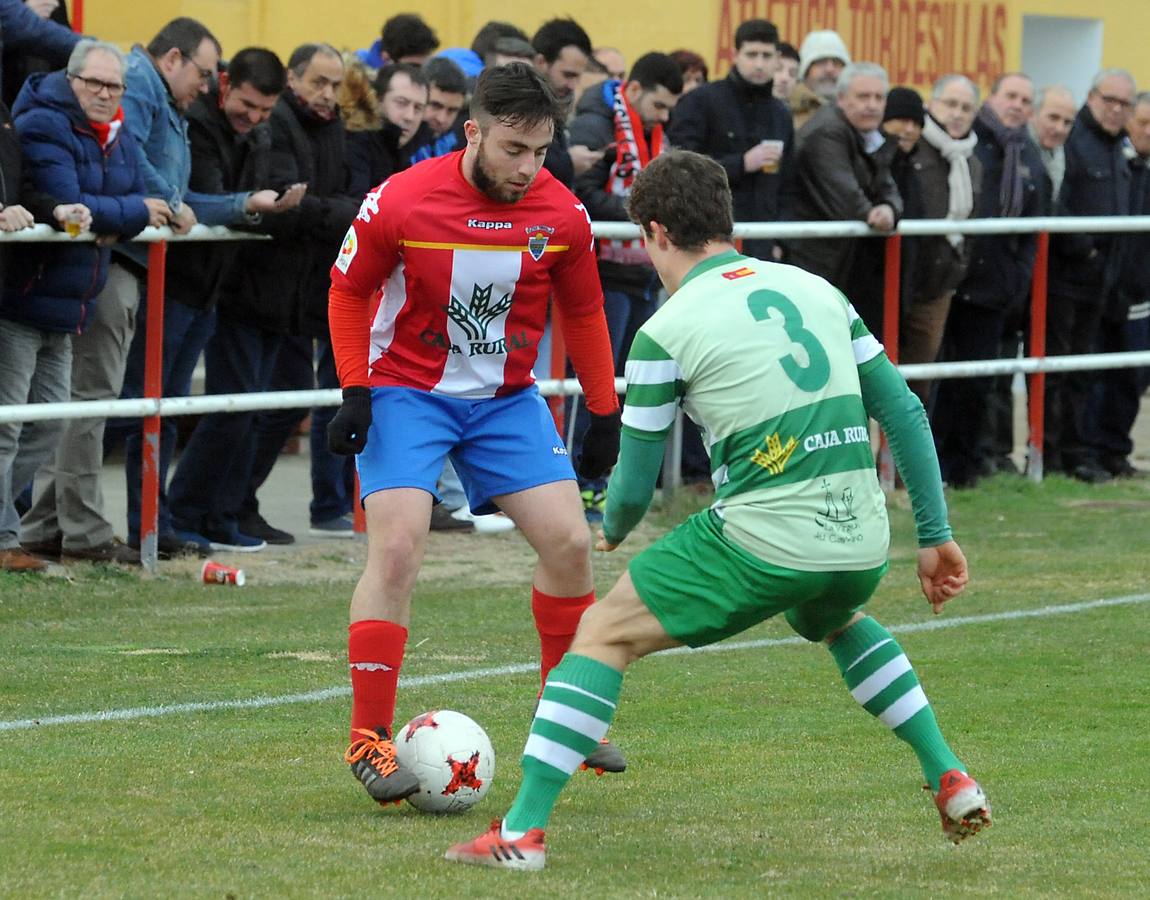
[
  {"x": 601, "y": 543},
  {"x": 600, "y": 445},
  {"x": 942, "y": 573},
  {"x": 347, "y": 432}
]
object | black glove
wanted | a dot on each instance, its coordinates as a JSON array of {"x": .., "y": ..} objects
[
  {"x": 600, "y": 445},
  {"x": 347, "y": 432}
]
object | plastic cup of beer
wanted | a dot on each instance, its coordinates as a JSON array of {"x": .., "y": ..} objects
[
  {"x": 73, "y": 220},
  {"x": 773, "y": 165}
]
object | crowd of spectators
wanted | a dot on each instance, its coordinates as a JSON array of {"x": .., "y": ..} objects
[{"x": 180, "y": 131}]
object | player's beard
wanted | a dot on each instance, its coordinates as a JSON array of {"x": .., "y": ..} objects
[{"x": 487, "y": 183}]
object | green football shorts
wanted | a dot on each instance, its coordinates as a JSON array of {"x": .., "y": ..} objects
[{"x": 703, "y": 588}]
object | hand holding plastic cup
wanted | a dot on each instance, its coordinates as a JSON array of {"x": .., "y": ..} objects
[
  {"x": 73, "y": 222},
  {"x": 217, "y": 573},
  {"x": 773, "y": 156}
]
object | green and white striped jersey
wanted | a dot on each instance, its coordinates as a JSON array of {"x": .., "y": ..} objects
[{"x": 766, "y": 358}]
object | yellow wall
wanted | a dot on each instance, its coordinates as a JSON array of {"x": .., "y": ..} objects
[{"x": 915, "y": 39}]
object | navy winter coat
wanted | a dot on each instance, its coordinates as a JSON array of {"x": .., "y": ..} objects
[{"x": 52, "y": 286}]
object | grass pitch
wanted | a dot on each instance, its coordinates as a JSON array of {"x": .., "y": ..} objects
[{"x": 752, "y": 772}]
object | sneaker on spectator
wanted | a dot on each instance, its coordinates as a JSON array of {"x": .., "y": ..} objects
[
  {"x": 339, "y": 527},
  {"x": 444, "y": 519},
  {"x": 257, "y": 526},
  {"x": 496, "y": 523},
  {"x": 234, "y": 541}
]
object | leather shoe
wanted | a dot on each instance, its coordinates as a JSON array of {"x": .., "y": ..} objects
[
  {"x": 14, "y": 559},
  {"x": 44, "y": 549},
  {"x": 113, "y": 551}
]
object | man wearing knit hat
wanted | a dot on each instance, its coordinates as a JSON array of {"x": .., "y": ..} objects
[{"x": 822, "y": 58}]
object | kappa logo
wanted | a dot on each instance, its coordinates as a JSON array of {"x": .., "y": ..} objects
[
  {"x": 370, "y": 667},
  {"x": 537, "y": 237},
  {"x": 370, "y": 205},
  {"x": 488, "y": 226}
]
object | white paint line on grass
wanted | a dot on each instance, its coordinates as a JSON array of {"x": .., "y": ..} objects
[{"x": 149, "y": 712}]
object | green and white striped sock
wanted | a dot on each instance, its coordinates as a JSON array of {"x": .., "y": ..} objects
[
  {"x": 573, "y": 715},
  {"x": 880, "y": 678}
]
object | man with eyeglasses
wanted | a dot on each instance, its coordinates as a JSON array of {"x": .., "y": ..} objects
[
  {"x": 56, "y": 333},
  {"x": 1085, "y": 268}
]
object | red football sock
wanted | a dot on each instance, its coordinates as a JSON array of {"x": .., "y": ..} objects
[
  {"x": 375, "y": 654},
  {"x": 556, "y": 619}
]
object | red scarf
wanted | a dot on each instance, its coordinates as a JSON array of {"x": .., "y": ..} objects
[
  {"x": 632, "y": 154},
  {"x": 106, "y": 131}
]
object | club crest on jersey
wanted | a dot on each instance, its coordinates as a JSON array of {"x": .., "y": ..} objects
[{"x": 537, "y": 237}]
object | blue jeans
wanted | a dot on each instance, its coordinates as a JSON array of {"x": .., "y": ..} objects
[
  {"x": 212, "y": 476},
  {"x": 35, "y": 367},
  {"x": 186, "y": 332}
]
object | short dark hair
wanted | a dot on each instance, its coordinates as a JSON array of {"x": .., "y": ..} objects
[
  {"x": 788, "y": 51},
  {"x": 556, "y": 34},
  {"x": 687, "y": 193},
  {"x": 756, "y": 30},
  {"x": 654, "y": 69},
  {"x": 183, "y": 34},
  {"x": 383, "y": 76},
  {"x": 258, "y": 67},
  {"x": 407, "y": 35},
  {"x": 445, "y": 74},
  {"x": 302, "y": 55},
  {"x": 516, "y": 94},
  {"x": 516, "y": 48},
  {"x": 690, "y": 61},
  {"x": 485, "y": 37}
]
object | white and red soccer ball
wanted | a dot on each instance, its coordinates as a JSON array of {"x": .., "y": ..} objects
[{"x": 452, "y": 758}]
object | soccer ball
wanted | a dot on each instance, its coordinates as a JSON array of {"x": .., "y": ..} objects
[{"x": 452, "y": 758}]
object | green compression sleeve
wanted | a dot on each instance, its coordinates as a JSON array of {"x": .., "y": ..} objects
[
  {"x": 632, "y": 483},
  {"x": 900, "y": 413}
]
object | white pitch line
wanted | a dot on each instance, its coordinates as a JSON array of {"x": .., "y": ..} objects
[{"x": 149, "y": 712}]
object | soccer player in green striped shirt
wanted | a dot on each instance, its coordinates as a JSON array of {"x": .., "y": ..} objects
[{"x": 782, "y": 376}]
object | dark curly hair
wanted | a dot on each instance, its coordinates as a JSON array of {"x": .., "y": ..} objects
[{"x": 687, "y": 194}]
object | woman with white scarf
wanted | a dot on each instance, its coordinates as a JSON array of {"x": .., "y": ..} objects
[{"x": 947, "y": 178}]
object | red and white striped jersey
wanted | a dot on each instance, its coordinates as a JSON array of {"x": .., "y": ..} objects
[{"x": 465, "y": 279}]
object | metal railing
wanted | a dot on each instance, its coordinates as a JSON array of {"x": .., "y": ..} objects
[{"x": 153, "y": 405}]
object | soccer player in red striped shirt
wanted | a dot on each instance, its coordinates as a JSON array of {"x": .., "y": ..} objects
[{"x": 438, "y": 301}]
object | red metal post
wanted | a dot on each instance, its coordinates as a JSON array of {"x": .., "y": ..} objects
[
  {"x": 1037, "y": 381},
  {"x": 78, "y": 16},
  {"x": 153, "y": 388},
  {"x": 890, "y": 310}
]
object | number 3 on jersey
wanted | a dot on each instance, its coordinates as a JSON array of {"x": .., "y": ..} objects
[{"x": 817, "y": 371}]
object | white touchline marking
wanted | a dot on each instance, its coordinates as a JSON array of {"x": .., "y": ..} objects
[{"x": 149, "y": 712}]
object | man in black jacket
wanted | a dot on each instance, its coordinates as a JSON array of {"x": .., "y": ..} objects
[
  {"x": 993, "y": 294},
  {"x": 741, "y": 124},
  {"x": 1084, "y": 268},
  {"x": 1115, "y": 403},
  {"x": 842, "y": 171},
  {"x": 562, "y": 50},
  {"x": 627, "y": 122},
  {"x": 231, "y": 152},
  {"x": 283, "y": 288}
]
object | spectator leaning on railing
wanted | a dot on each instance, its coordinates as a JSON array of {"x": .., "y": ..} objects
[
  {"x": 839, "y": 174},
  {"x": 69, "y": 125}
]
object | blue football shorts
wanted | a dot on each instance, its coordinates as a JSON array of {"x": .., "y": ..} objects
[{"x": 498, "y": 446}]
